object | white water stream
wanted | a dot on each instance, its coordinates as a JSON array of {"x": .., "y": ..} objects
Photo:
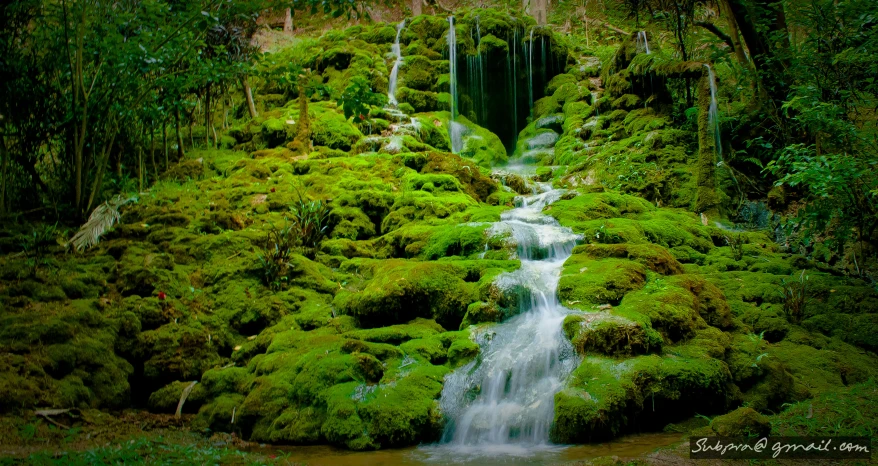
[
  {"x": 394, "y": 73},
  {"x": 503, "y": 402}
]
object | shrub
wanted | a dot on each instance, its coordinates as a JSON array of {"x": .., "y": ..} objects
[
  {"x": 795, "y": 297},
  {"x": 311, "y": 222},
  {"x": 274, "y": 256}
]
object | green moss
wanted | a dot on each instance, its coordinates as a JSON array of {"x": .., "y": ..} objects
[
  {"x": 604, "y": 397},
  {"x": 330, "y": 129},
  {"x": 610, "y": 334},
  {"x": 402, "y": 290},
  {"x": 742, "y": 422},
  {"x": 585, "y": 281},
  {"x": 165, "y": 399}
]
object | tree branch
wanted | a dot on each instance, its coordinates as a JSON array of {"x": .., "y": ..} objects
[{"x": 716, "y": 31}]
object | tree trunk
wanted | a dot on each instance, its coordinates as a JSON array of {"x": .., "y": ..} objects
[
  {"x": 99, "y": 177},
  {"x": 417, "y": 7},
  {"x": 139, "y": 168},
  {"x": 769, "y": 70},
  {"x": 4, "y": 170},
  {"x": 540, "y": 11},
  {"x": 207, "y": 124},
  {"x": 734, "y": 33},
  {"x": 165, "y": 141},
  {"x": 288, "y": 22},
  {"x": 155, "y": 168},
  {"x": 180, "y": 151},
  {"x": 249, "y": 93}
]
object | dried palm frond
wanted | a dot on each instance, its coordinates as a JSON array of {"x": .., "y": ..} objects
[{"x": 99, "y": 222}]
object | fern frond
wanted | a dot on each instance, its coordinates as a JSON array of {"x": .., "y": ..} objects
[{"x": 99, "y": 222}]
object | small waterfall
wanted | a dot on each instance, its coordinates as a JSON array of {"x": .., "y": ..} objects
[
  {"x": 713, "y": 112},
  {"x": 530, "y": 70},
  {"x": 504, "y": 400},
  {"x": 397, "y": 51},
  {"x": 455, "y": 130},
  {"x": 515, "y": 79},
  {"x": 642, "y": 43}
]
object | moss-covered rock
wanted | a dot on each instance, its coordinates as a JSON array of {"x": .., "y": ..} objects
[{"x": 742, "y": 422}]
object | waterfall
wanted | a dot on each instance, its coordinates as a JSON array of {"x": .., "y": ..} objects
[
  {"x": 397, "y": 51},
  {"x": 504, "y": 400},
  {"x": 530, "y": 70},
  {"x": 455, "y": 129},
  {"x": 713, "y": 112},
  {"x": 515, "y": 79},
  {"x": 642, "y": 43}
]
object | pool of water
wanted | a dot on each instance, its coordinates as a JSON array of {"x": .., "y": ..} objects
[{"x": 631, "y": 446}]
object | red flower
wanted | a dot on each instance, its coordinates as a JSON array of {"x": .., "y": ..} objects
[
  {"x": 272, "y": 189},
  {"x": 162, "y": 296},
  {"x": 362, "y": 117}
]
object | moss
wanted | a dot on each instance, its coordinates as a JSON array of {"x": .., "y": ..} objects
[
  {"x": 742, "y": 422},
  {"x": 165, "y": 399},
  {"x": 604, "y": 397},
  {"x": 610, "y": 334},
  {"x": 402, "y": 290},
  {"x": 274, "y": 132},
  {"x": 707, "y": 201},
  {"x": 421, "y": 101},
  {"x": 654, "y": 257},
  {"x": 418, "y": 73},
  {"x": 842, "y": 411},
  {"x": 330, "y": 129},
  {"x": 585, "y": 281},
  {"x": 460, "y": 240},
  {"x": 461, "y": 352},
  {"x": 546, "y": 106}
]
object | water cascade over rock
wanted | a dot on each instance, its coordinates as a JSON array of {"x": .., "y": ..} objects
[
  {"x": 713, "y": 113},
  {"x": 497, "y": 73},
  {"x": 503, "y": 401},
  {"x": 394, "y": 73},
  {"x": 642, "y": 43}
]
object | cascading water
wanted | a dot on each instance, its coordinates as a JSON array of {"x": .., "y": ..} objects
[
  {"x": 455, "y": 129},
  {"x": 530, "y": 70},
  {"x": 524, "y": 360},
  {"x": 713, "y": 112},
  {"x": 394, "y": 73},
  {"x": 642, "y": 43}
]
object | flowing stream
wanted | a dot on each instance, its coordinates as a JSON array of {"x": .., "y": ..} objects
[
  {"x": 503, "y": 402},
  {"x": 713, "y": 112},
  {"x": 394, "y": 73}
]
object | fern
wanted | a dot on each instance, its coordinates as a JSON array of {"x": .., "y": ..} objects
[{"x": 99, "y": 222}]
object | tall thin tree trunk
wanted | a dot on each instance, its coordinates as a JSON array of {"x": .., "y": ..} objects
[
  {"x": 155, "y": 168},
  {"x": 180, "y": 151},
  {"x": 139, "y": 168},
  {"x": 734, "y": 33},
  {"x": 207, "y": 125},
  {"x": 101, "y": 168},
  {"x": 417, "y": 7},
  {"x": 4, "y": 170},
  {"x": 249, "y": 93},
  {"x": 288, "y": 21},
  {"x": 165, "y": 141}
]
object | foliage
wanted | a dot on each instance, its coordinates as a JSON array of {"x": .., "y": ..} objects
[
  {"x": 736, "y": 242},
  {"x": 795, "y": 297},
  {"x": 99, "y": 222},
  {"x": 275, "y": 254},
  {"x": 83, "y": 79},
  {"x": 842, "y": 194},
  {"x": 311, "y": 222},
  {"x": 358, "y": 98}
]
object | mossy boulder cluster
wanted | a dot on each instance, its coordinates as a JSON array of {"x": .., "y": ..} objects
[{"x": 674, "y": 316}]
